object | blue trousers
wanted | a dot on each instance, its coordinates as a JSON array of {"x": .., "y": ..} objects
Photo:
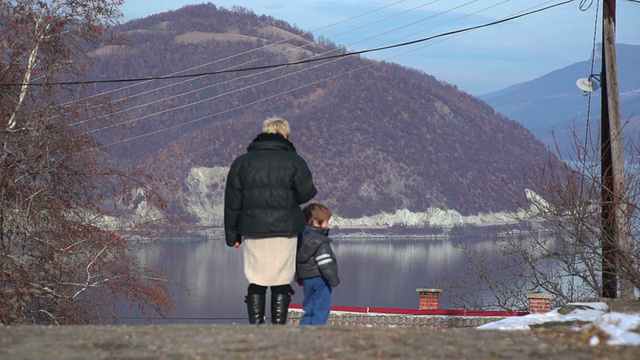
[{"x": 317, "y": 301}]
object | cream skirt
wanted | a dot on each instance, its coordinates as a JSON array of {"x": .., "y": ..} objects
[{"x": 270, "y": 261}]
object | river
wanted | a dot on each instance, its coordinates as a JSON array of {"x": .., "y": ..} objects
[{"x": 209, "y": 284}]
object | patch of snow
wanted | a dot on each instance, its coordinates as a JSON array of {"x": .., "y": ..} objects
[{"x": 619, "y": 326}]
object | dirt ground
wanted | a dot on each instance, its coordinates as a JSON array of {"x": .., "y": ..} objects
[{"x": 298, "y": 342}]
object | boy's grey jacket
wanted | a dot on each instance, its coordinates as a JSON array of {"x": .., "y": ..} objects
[
  {"x": 264, "y": 190},
  {"x": 315, "y": 256}
]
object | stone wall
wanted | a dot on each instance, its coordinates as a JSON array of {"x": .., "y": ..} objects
[{"x": 339, "y": 318}]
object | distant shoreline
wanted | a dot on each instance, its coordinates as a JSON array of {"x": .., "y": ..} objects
[{"x": 339, "y": 237}]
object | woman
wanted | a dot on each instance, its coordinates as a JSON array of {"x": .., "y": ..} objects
[{"x": 264, "y": 190}]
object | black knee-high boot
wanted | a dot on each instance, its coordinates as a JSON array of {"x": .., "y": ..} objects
[
  {"x": 280, "y": 299},
  {"x": 255, "y": 300}
]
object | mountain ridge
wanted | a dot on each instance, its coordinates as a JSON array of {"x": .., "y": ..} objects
[
  {"x": 378, "y": 137},
  {"x": 554, "y": 102}
]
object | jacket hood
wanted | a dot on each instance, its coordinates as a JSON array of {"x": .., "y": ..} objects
[
  {"x": 269, "y": 141},
  {"x": 319, "y": 230}
]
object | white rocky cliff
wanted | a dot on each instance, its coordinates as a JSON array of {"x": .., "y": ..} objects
[{"x": 205, "y": 200}]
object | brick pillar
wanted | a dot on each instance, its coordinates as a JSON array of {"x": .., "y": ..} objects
[
  {"x": 539, "y": 303},
  {"x": 429, "y": 299}
]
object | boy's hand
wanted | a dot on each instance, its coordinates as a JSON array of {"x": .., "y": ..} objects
[{"x": 300, "y": 283}]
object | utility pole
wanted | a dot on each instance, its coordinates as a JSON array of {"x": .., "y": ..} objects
[{"x": 615, "y": 222}]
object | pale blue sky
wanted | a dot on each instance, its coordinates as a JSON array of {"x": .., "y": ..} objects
[{"x": 478, "y": 62}]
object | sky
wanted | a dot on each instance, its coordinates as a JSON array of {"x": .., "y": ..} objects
[
  {"x": 618, "y": 326},
  {"x": 478, "y": 62}
]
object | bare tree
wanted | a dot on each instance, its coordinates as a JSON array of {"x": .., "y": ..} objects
[
  {"x": 557, "y": 247},
  {"x": 65, "y": 257}
]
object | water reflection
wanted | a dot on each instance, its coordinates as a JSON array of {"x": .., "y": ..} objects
[{"x": 373, "y": 274}]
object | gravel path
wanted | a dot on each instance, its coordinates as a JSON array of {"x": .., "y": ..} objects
[{"x": 297, "y": 342}]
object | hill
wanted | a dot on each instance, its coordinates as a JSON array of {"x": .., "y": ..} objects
[
  {"x": 553, "y": 101},
  {"x": 378, "y": 137}
]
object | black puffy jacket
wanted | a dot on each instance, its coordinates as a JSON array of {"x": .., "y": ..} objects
[
  {"x": 315, "y": 256},
  {"x": 264, "y": 190}
]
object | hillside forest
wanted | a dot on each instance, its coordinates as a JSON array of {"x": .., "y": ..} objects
[{"x": 378, "y": 136}]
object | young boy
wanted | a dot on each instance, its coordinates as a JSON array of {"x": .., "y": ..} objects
[{"x": 316, "y": 265}]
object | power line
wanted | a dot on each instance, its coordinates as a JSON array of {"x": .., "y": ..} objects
[
  {"x": 253, "y": 85},
  {"x": 300, "y": 62},
  {"x": 450, "y": 21},
  {"x": 233, "y": 56},
  {"x": 416, "y": 22},
  {"x": 387, "y": 18},
  {"x": 264, "y": 82},
  {"x": 280, "y": 77},
  {"x": 593, "y": 59},
  {"x": 240, "y": 54},
  {"x": 306, "y": 85},
  {"x": 232, "y": 109},
  {"x": 273, "y": 79}
]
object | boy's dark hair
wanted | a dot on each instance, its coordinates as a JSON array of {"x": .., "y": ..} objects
[{"x": 316, "y": 211}]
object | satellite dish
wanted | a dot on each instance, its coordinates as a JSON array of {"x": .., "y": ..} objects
[{"x": 587, "y": 86}]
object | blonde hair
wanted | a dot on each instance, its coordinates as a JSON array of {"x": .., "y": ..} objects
[
  {"x": 316, "y": 211},
  {"x": 276, "y": 125}
]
